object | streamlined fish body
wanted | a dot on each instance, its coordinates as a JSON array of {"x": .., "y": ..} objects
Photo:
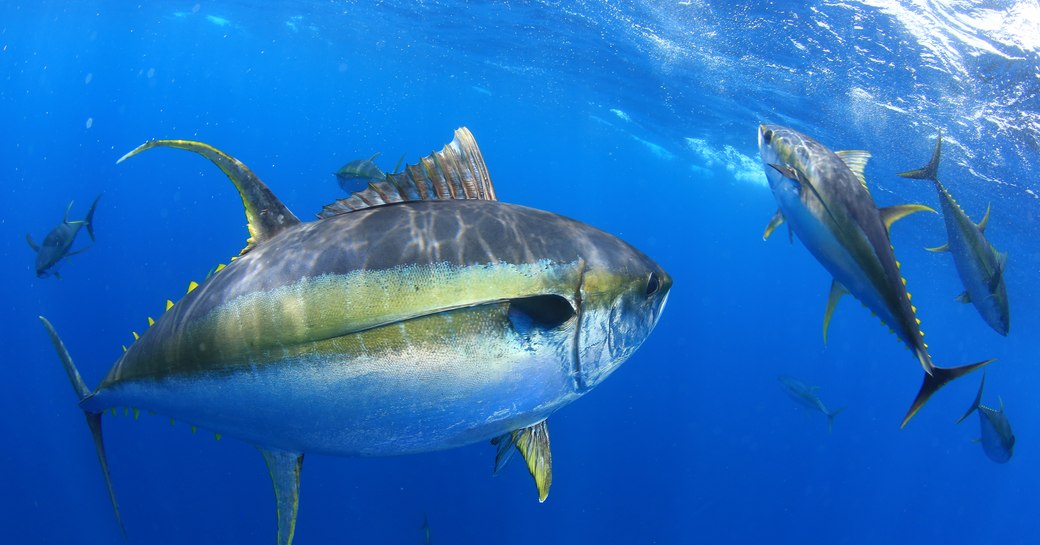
[
  {"x": 979, "y": 265},
  {"x": 996, "y": 437},
  {"x": 806, "y": 396},
  {"x": 57, "y": 245},
  {"x": 823, "y": 197},
  {"x": 417, "y": 315}
]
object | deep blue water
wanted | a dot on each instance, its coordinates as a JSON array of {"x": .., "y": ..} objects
[{"x": 638, "y": 118}]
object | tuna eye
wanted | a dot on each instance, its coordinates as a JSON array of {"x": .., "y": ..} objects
[
  {"x": 652, "y": 284},
  {"x": 767, "y": 136}
]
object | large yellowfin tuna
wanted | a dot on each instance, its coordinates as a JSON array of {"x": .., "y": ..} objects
[
  {"x": 979, "y": 264},
  {"x": 418, "y": 314},
  {"x": 823, "y": 197}
]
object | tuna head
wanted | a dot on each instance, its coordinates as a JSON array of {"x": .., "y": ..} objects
[{"x": 622, "y": 295}]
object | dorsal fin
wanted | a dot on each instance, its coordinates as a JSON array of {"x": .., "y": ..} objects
[
  {"x": 456, "y": 172},
  {"x": 985, "y": 220},
  {"x": 265, "y": 213},
  {"x": 856, "y": 160}
]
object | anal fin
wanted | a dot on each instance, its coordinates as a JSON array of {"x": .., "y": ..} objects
[
  {"x": 937, "y": 249},
  {"x": 891, "y": 214},
  {"x": 533, "y": 444},
  {"x": 284, "y": 468},
  {"x": 774, "y": 222},
  {"x": 837, "y": 290}
]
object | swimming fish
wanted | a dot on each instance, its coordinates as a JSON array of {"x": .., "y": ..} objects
[
  {"x": 824, "y": 198},
  {"x": 998, "y": 442},
  {"x": 416, "y": 315},
  {"x": 57, "y": 245},
  {"x": 806, "y": 395},
  {"x": 359, "y": 171},
  {"x": 979, "y": 264}
]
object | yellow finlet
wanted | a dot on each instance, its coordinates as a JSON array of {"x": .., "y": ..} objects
[
  {"x": 193, "y": 429},
  {"x": 192, "y": 285},
  {"x": 136, "y": 336},
  {"x": 124, "y": 348},
  {"x": 217, "y": 435},
  {"x": 151, "y": 322},
  {"x": 169, "y": 304},
  {"x": 220, "y": 267},
  {"x": 137, "y": 413}
]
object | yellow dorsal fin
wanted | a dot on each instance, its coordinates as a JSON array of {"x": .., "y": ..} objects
[
  {"x": 192, "y": 285},
  {"x": 856, "y": 160},
  {"x": 169, "y": 304},
  {"x": 265, "y": 214}
]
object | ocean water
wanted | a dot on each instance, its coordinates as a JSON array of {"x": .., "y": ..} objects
[{"x": 637, "y": 117}]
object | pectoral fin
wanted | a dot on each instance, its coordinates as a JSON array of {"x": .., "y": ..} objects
[
  {"x": 890, "y": 214},
  {"x": 33, "y": 245},
  {"x": 774, "y": 222},
  {"x": 795, "y": 175},
  {"x": 533, "y": 444},
  {"x": 837, "y": 290},
  {"x": 285, "y": 474}
]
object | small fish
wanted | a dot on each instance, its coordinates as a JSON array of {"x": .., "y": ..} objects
[
  {"x": 57, "y": 245},
  {"x": 806, "y": 395},
  {"x": 980, "y": 266},
  {"x": 426, "y": 528},
  {"x": 998, "y": 442},
  {"x": 416, "y": 315},
  {"x": 359, "y": 172},
  {"x": 823, "y": 197}
]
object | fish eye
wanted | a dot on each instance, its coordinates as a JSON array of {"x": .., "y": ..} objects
[
  {"x": 767, "y": 135},
  {"x": 652, "y": 284}
]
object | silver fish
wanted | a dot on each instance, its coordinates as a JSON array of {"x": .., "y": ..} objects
[
  {"x": 997, "y": 439},
  {"x": 418, "y": 314},
  {"x": 57, "y": 245},
  {"x": 979, "y": 265},
  {"x": 824, "y": 198}
]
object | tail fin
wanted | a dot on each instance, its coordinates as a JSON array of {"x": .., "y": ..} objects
[
  {"x": 830, "y": 418},
  {"x": 931, "y": 170},
  {"x": 89, "y": 220},
  {"x": 937, "y": 379},
  {"x": 93, "y": 419},
  {"x": 978, "y": 400}
]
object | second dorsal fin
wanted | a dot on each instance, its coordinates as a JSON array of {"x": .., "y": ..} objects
[
  {"x": 456, "y": 172},
  {"x": 265, "y": 213}
]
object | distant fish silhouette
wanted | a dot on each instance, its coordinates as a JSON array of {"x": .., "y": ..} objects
[
  {"x": 426, "y": 528},
  {"x": 355, "y": 174},
  {"x": 806, "y": 395},
  {"x": 359, "y": 171},
  {"x": 998, "y": 442},
  {"x": 57, "y": 245},
  {"x": 979, "y": 264}
]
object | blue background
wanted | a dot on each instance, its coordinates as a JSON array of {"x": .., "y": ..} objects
[{"x": 638, "y": 118}]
